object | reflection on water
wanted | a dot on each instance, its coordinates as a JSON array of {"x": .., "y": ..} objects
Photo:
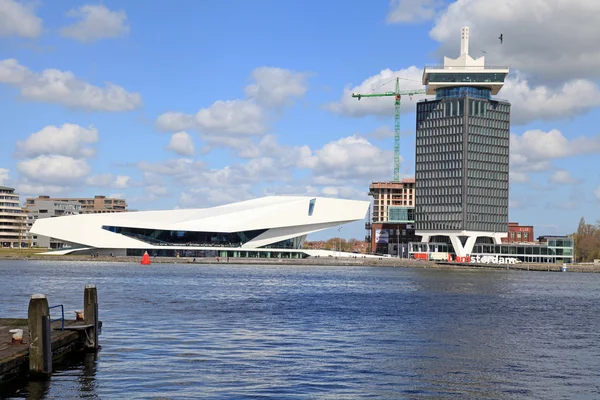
[{"x": 180, "y": 331}]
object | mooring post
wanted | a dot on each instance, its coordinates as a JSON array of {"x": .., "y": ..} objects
[
  {"x": 40, "y": 340},
  {"x": 90, "y": 316}
]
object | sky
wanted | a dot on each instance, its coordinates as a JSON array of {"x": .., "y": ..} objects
[{"x": 201, "y": 103}]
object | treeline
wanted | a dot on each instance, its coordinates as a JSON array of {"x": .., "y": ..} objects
[
  {"x": 587, "y": 241},
  {"x": 351, "y": 245}
]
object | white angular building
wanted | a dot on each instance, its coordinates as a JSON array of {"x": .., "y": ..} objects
[{"x": 269, "y": 227}]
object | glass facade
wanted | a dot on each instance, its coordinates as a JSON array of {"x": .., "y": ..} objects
[
  {"x": 460, "y": 91},
  {"x": 475, "y": 77},
  {"x": 187, "y": 238},
  {"x": 401, "y": 214},
  {"x": 462, "y": 146},
  {"x": 250, "y": 253},
  {"x": 531, "y": 253},
  {"x": 544, "y": 253}
]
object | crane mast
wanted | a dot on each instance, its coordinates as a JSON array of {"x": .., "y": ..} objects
[{"x": 397, "y": 97}]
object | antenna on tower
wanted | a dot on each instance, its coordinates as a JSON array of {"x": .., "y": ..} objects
[{"x": 464, "y": 40}]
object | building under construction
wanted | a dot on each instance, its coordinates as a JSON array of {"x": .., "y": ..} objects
[{"x": 391, "y": 227}]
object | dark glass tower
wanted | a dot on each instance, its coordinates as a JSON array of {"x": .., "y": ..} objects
[{"x": 462, "y": 153}]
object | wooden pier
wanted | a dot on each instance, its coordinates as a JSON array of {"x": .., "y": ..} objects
[{"x": 29, "y": 347}]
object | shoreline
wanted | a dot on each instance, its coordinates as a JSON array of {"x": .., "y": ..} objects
[{"x": 368, "y": 262}]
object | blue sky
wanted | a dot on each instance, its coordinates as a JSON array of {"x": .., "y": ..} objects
[{"x": 195, "y": 104}]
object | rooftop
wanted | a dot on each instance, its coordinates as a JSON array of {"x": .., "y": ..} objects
[{"x": 464, "y": 71}]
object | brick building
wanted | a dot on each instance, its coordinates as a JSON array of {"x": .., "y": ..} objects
[{"x": 519, "y": 233}]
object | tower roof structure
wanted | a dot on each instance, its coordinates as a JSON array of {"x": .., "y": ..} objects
[{"x": 464, "y": 71}]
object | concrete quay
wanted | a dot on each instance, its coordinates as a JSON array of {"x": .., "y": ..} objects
[
  {"x": 29, "y": 347},
  {"x": 324, "y": 261}
]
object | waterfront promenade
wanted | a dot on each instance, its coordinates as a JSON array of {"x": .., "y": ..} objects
[{"x": 324, "y": 261}]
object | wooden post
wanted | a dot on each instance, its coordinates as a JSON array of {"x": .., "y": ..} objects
[
  {"x": 90, "y": 316},
  {"x": 40, "y": 341}
]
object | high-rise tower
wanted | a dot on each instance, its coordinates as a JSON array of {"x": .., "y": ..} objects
[{"x": 462, "y": 153}]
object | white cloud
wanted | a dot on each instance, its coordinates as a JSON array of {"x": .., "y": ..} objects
[
  {"x": 31, "y": 189},
  {"x": 529, "y": 103},
  {"x": 182, "y": 144},
  {"x": 338, "y": 166},
  {"x": 109, "y": 180},
  {"x": 68, "y": 140},
  {"x": 4, "y": 177},
  {"x": 573, "y": 98},
  {"x": 232, "y": 123},
  {"x": 19, "y": 19},
  {"x": 54, "y": 170},
  {"x": 518, "y": 177},
  {"x": 385, "y": 81},
  {"x": 157, "y": 190},
  {"x": 96, "y": 22},
  {"x": 597, "y": 193},
  {"x": 231, "y": 117},
  {"x": 275, "y": 87},
  {"x": 63, "y": 87},
  {"x": 383, "y": 132},
  {"x": 564, "y": 49},
  {"x": 346, "y": 192},
  {"x": 534, "y": 151},
  {"x": 207, "y": 197},
  {"x": 538, "y": 145},
  {"x": 269, "y": 147},
  {"x": 183, "y": 170},
  {"x": 411, "y": 10},
  {"x": 351, "y": 158},
  {"x": 563, "y": 176}
]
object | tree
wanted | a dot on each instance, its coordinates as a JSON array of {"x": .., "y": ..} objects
[{"x": 587, "y": 241}]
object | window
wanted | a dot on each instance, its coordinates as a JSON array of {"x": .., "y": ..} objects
[{"x": 311, "y": 207}]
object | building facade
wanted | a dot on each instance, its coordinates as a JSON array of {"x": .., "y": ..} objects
[
  {"x": 41, "y": 209},
  {"x": 393, "y": 201},
  {"x": 519, "y": 233},
  {"x": 89, "y": 205},
  {"x": 549, "y": 250},
  {"x": 274, "y": 226},
  {"x": 13, "y": 220},
  {"x": 462, "y": 154},
  {"x": 392, "y": 224},
  {"x": 392, "y": 238}
]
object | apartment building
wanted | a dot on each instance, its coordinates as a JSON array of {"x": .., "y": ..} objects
[
  {"x": 13, "y": 225},
  {"x": 89, "y": 205}
]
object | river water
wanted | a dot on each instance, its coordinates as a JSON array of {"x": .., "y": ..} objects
[{"x": 233, "y": 331}]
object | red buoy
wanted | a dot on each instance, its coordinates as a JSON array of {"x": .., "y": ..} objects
[{"x": 145, "y": 259}]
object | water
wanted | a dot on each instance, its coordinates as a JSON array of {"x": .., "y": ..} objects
[{"x": 229, "y": 331}]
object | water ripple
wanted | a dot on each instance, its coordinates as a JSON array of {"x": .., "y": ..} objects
[{"x": 236, "y": 332}]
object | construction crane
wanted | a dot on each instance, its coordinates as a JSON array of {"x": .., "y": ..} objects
[{"x": 397, "y": 95}]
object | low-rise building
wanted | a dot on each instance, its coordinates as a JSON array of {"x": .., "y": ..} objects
[
  {"x": 519, "y": 233},
  {"x": 41, "y": 209},
  {"x": 13, "y": 225},
  {"x": 89, "y": 205}
]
